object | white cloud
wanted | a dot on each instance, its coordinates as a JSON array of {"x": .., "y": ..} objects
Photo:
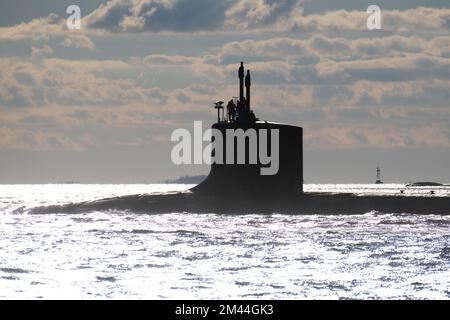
[
  {"x": 44, "y": 29},
  {"x": 44, "y": 51},
  {"x": 252, "y": 15},
  {"x": 329, "y": 82}
]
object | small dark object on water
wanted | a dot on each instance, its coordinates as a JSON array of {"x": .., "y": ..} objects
[{"x": 425, "y": 184}]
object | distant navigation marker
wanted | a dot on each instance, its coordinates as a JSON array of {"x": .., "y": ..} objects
[{"x": 378, "y": 176}]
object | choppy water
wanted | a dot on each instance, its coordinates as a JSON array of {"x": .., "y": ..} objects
[{"x": 191, "y": 256}]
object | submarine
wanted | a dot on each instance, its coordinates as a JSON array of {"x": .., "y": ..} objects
[{"x": 246, "y": 183}]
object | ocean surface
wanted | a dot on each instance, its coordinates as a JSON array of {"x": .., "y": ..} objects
[{"x": 183, "y": 255}]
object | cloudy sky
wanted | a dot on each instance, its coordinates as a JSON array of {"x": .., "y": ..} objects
[{"x": 99, "y": 104}]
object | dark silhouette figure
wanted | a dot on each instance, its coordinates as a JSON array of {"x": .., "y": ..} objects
[{"x": 231, "y": 107}]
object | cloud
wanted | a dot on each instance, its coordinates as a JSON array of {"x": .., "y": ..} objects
[
  {"x": 412, "y": 67},
  {"x": 44, "y": 51},
  {"x": 382, "y": 136},
  {"x": 321, "y": 60},
  {"x": 15, "y": 95},
  {"x": 46, "y": 28},
  {"x": 253, "y": 15},
  {"x": 159, "y": 15},
  {"x": 41, "y": 28},
  {"x": 330, "y": 70},
  {"x": 322, "y": 47},
  {"x": 417, "y": 20},
  {"x": 77, "y": 41},
  {"x": 327, "y": 82},
  {"x": 159, "y": 59},
  {"x": 41, "y": 139},
  {"x": 30, "y": 83},
  {"x": 250, "y": 15}
]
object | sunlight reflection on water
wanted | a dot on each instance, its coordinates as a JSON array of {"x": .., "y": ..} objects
[{"x": 190, "y": 256}]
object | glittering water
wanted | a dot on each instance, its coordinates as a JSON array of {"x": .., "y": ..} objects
[{"x": 193, "y": 256}]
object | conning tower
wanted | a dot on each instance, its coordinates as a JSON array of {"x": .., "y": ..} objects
[{"x": 233, "y": 178}]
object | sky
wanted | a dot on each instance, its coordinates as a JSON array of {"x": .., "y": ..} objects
[{"x": 99, "y": 104}]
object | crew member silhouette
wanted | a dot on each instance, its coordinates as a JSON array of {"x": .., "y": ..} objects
[{"x": 231, "y": 107}]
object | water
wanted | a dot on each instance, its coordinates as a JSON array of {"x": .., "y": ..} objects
[{"x": 123, "y": 255}]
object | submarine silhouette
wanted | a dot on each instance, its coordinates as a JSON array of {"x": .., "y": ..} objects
[
  {"x": 239, "y": 188},
  {"x": 246, "y": 180}
]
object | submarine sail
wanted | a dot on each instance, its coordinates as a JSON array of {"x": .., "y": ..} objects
[{"x": 232, "y": 177}]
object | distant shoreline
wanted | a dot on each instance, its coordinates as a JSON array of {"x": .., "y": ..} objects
[{"x": 187, "y": 180}]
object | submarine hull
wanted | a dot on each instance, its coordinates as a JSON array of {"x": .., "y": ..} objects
[{"x": 306, "y": 204}]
